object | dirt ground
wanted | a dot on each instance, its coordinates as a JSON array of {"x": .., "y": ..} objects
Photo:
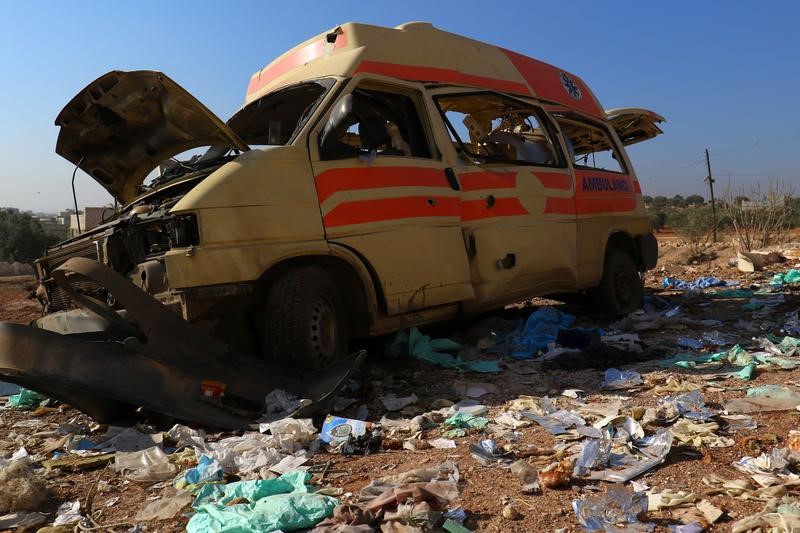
[{"x": 485, "y": 490}]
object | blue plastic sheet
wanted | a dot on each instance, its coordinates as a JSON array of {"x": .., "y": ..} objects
[
  {"x": 686, "y": 342},
  {"x": 538, "y": 331},
  {"x": 207, "y": 470},
  {"x": 703, "y": 282}
]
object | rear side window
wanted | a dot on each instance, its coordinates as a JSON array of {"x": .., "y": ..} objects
[
  {"x": 589, "y": 145},
  {"x": 491, "y": 128},
  {"x": 369, "y": 123}
]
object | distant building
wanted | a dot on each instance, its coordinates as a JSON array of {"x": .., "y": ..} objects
[
  {"x": 89, "y": 218},
  {"x": 54, "y": 225}
]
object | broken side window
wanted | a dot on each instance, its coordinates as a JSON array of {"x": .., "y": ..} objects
[
  {"x": 275, "y": 118},
  {"x": 589, "y": 145},
  {"x": 491, "y": 128},
  {"x": 374, "y": 122}
]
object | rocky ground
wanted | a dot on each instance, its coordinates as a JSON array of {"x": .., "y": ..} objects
[{"x": 491, "y": 496}]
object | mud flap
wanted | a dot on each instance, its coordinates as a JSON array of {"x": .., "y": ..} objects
[{"x": 159, "y": 362}]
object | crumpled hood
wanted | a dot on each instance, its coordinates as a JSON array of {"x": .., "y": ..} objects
[{"x": 123, "y": 124}]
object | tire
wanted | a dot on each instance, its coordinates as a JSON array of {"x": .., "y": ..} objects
[
  {"x": 305, "y": 321},
  {"x": 621, "y": 290}
]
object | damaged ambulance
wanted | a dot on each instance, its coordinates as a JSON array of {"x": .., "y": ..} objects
[{"x": 375, "y": 179}]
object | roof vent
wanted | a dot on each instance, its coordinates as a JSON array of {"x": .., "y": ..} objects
[{"x": 415, "y": 26}]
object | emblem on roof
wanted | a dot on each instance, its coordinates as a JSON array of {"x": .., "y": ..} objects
[{"x": 570, "y": 86}]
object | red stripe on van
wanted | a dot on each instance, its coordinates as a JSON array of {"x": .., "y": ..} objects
[
  {"x": 555, "y": 180},
  {"x": 351, "y": 179},
  {"x": 441, "y": 75},
  {"x": 559, "y": 206},
  {"x": 366, "y": 211},
  {"x": 502, "y": 207},
  {"x": 591, "y": 206},
  {"x": 300, "y": 57},
  {"x": 601, "y": 191},
  {"x": 475, "y": 181}
]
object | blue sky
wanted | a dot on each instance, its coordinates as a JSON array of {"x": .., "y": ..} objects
[{"x": 724, "y": 74}]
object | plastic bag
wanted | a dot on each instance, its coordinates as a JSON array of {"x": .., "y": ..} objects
[
  {"x": 606, "y": 511},
  {"x": 422, "y": 347},
  {"x": 26, "y": 399},
  {"x": 621, "y": 379},
  {"x": 167, "y": 506},
  {"x": 151, "y": 464}
]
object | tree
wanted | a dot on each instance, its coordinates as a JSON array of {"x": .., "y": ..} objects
[
  {"x": 648, "y": 200},
  {"x": 694, "y": 199},
  {"x": 676, "y": 201},
  {"x": 657, "y": 219},
  {"x": 22, "y": 238},
  {"x": 660, "y": 202}
]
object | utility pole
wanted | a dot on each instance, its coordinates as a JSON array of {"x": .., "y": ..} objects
[{"x": 710, "y": 181}]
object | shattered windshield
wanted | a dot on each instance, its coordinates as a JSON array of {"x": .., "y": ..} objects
[{"x": 275, "y": 118}]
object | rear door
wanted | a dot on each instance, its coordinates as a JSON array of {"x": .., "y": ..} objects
[
  {"x": 518, "y": 194},
  {"x": 384, "y": 193},
  {"x": 607, "y": 194},
  {"x": 633, "y": 124}
]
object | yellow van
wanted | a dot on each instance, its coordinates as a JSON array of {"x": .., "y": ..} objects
[{"x": 375, "y": 179}]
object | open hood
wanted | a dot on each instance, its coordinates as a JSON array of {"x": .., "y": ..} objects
[
  {"x": 123, "y": 124},
  {"x": 634, "y": 125}
]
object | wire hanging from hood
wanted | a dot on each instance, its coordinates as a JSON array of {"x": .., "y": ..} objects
[{"x": 74, "y": 197}]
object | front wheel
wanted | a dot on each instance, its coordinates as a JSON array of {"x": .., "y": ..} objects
[
  {"x": 621, "y": 290},
  {"x": 305, "y": 321}
]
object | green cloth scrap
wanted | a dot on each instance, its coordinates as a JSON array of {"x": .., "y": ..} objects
[
  {"x": 452, "y": 526},
  {"x": 26, "y": 399},
  {"x": 736, "y": 356},
  {"x": 790, "y": 276},
  {"x": 424, "y": 348},
  {"x": 283, "y": 503},
  {"x": 775, "y": 391},
  {"x": 747, "y": 373},
  {"x": 732, "y": 293},
  {"x": 251, "y": 490},
  {"x": 789, "y": 345},
  {"x": 687, "y": 360},
  {"x": 460, "y": 422}
]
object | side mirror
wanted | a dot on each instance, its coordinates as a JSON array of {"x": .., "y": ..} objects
[{"x": 343, "y": 109}]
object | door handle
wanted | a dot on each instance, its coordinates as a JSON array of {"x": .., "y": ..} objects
[{"x": 452, "y": 179}]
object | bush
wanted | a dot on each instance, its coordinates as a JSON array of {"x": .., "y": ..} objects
[
  {"x": 695, "y": 225},
  {"x": 764, "y": 218}
]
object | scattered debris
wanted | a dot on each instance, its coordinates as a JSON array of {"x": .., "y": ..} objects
[
  {"x": 606, "y": 419},
  {"x": 556, "y": 475},
  {"x": 617, "y": 508},
  {"x": 20, "y": 488},
  {"x": 620, "y": 379}
]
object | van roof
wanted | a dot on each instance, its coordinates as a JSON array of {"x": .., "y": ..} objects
[{"x": 420, "y": 52}]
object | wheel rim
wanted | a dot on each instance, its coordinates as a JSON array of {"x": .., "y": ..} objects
[{"x": 323, "y": 331}]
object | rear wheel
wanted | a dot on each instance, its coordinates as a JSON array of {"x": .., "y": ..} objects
[
  {"x": 305, "y": 320},
  {"x": 621, "y": 290}
]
